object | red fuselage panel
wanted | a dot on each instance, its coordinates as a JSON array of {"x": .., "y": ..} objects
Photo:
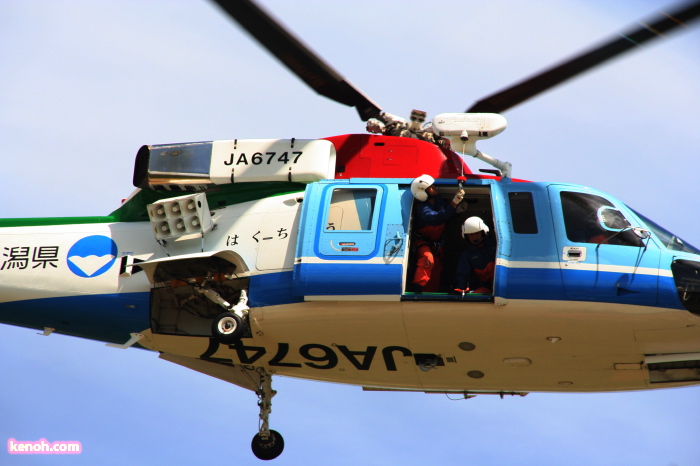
[{"x": 375, "y": 156}]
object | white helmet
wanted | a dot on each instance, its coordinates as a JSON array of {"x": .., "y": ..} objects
[
  {"x": 474, "y": 224},
  {"x": 419, "y": 185}
]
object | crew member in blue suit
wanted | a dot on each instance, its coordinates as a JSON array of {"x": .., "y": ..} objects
[
  {"x": 476, "y": 267},
  {"x": 431, "y": 213}
]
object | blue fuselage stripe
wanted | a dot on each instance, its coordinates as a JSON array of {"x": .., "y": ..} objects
[
  {"x": 110, "y": 317},
  {"x": 271, "y": 289},
  {"x": 586, "y": 285},
  {"x": 349, "y": 279}
]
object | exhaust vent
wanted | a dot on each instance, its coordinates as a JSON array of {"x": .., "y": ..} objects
[{"x": 669, "y": 368}]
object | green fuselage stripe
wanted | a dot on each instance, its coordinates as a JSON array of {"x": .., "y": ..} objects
[
  {"x": 134, "y": 210},
  {"x": 48, "y": 221}
]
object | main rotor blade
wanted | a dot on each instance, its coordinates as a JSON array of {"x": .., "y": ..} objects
[
  {"x": 297, "y": 57},
  {"x": 512, "y": 96}
]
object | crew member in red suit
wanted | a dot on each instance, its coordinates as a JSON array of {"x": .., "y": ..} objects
[{"x": 431, "y": 213}]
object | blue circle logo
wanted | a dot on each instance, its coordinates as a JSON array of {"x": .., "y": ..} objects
[{"x": 92, "y": 256}]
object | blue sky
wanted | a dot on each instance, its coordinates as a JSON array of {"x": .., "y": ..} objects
[{"x": 86, "y": 83}]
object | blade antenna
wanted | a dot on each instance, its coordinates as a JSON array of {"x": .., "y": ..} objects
[
  {"x": 656, "y": 27},
  {"x": 297, "y": 57}
]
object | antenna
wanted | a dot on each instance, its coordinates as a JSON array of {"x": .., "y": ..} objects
[{"x": 465, "y": 129}]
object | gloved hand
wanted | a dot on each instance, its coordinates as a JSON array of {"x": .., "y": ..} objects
[{"x": 458, "y": 197}]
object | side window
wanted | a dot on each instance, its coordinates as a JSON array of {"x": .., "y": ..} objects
[
  {"x": 592, "y": 219},
  {"x": 351, "y": 209},
  {"x": 351, "y": 226},
  {"x": 522, "y": 212}
]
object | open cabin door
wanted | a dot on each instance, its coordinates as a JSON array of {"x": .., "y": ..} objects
[
  {"x": 448, "y": 248},
  {"x": 352, "y": 242}
]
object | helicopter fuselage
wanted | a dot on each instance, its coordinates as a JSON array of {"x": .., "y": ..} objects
[{"x": 587, "y": 295}]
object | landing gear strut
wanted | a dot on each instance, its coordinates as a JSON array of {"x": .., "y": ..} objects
[
  {"x": 230, "y": 326},
  {"x": 267, "y": 444}
]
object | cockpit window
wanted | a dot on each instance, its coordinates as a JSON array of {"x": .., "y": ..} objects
[
  {"x": 593, "y": 219},
  {"x": 668, "y": 239}
]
